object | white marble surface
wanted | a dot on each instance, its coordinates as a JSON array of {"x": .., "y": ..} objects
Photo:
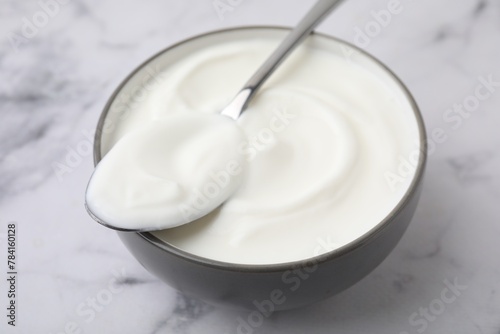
[{"x": 54, "y": 86}]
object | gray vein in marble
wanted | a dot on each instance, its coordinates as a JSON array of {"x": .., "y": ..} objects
[
  {"x": 23, "y": 139},
  {"x": 459, "y": 30},
  {"x": 83, "y": 10},
  {"x": 186, "y": 311},
  {"x": 481, "y": 6},
  {"x": 40, "y": 105},
  {"x": 128, "y": 281},
  {"x": 443, "y": 34},
  {"x": 402, "y": 282},
  {"x": 467, "y": 168},
  {"x": 131, "y": 281},
  {"x": 435, "y": 249}
]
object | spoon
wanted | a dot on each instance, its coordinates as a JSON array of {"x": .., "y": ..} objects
[
  {"x": 239, "y": 103},
  {"x": 314, "y": 17}
]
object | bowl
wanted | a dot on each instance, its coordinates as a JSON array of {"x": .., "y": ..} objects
[{"x": 280, "y": 286}]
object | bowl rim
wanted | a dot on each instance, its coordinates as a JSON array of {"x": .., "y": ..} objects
[{"x": 284, "y": 266}]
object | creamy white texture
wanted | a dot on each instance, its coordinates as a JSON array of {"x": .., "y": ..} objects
[
  {"x": 167, "y": 172},
  {"x": 320, "y": 138}
]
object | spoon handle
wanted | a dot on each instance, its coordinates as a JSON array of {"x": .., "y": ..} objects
[{"x": 315, "y": 15}]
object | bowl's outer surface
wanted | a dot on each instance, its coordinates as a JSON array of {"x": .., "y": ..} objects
[{"x": 311, "y": 282}]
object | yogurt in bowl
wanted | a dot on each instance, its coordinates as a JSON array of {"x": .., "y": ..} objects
[{"x": 322, "y": 148}]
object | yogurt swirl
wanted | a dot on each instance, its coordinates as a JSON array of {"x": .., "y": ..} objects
[{"x": 318, "y": 141}]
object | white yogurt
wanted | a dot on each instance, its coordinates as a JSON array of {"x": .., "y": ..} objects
[
  {"x": 320, "y": 138},
  {"x": 168, "y": 172}
]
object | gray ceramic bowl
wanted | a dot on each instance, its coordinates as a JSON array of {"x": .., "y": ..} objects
[{"x": 278, "y": 286}]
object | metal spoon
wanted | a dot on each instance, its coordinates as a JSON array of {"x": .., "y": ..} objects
[{"x": 315, "y": 15}]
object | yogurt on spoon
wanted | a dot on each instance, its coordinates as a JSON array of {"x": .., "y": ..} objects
[{"x": 168, "y": 172}]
